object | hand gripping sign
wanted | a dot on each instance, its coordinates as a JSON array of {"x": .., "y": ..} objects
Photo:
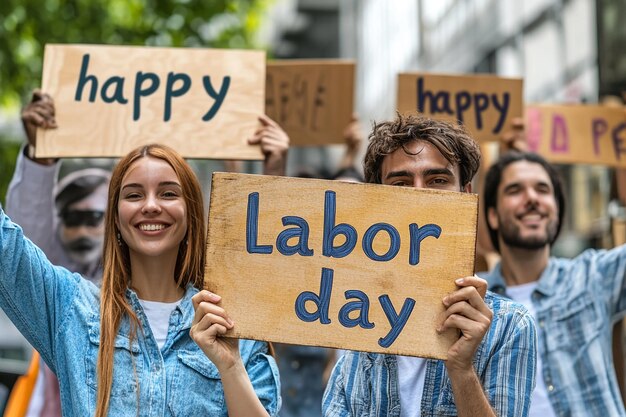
[
  {"x": 326, "y": 263},
  {"x": 111, "y": 99}
]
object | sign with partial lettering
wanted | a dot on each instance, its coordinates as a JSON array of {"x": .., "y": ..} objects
[
  {"x": 586, "y": 134},
  {"x": 312, "y": 100},
  {"x": 485, "y": 104},
  {"x": 204, "y": 103},
  {"x": 342, "y": 265}
]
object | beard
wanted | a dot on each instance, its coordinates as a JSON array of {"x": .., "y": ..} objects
[
  {"x": 511, "y": 235},
  {"x": 84, "y": 250}
]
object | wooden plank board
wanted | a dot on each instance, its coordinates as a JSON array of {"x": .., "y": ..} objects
[
  {"x": 586, "y": 134},
  {"x": 312, "y": 100},
  {"x": 110, "y": 99},
  {"x": 265, "y": 276},
  {"x": 485, "y": 104}
]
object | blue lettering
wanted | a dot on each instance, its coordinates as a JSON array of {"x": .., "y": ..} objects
[
  {"x": 322, "y": 301},
  {"x": 170, "y": 92},
  {"x": 394, "y": 244},
  {"x": 141, "y": 91},
  {"x": 439, "y": 103},
  {"x": 331, "y": 231},
  {"x": 301, "y": 232},
  {"x": 503, "y": 109},
  {"x": 83, "y": 79},
  {"x": 463, "y": 102},
  {"x": 481, "y": 102},
  {"x": 252, "y": 227},
  {"x": 362, "y": 305},
  {"x": 217, "y": 96},
  {"x": 417, "y": 235},
  {"x": 397, "y": 321},
  {"x": 118, "y": 94}
]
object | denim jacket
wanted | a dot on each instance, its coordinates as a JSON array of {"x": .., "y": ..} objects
[
  {"x": 576, "y": 303},
  {"x": 366, "y": 384},
  {"x": 58, "y": 312}
]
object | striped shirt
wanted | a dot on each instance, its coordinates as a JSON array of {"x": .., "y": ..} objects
[
  {"x": 366, "y": 384},
  {"x": 576, "y": 303}
]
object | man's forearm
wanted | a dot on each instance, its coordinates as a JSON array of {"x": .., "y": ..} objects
[
  {"x": 30, "y": 203},
  {"x": 469, "y": 397}
]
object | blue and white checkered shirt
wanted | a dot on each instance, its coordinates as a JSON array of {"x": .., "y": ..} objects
[
  {"x": 366, "y": 384},
  {"x": 576, "y": 303}
]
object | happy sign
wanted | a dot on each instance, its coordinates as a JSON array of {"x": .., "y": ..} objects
[
  {"x": 326, "y": 263},
  {"x": 111, "y": 99},
  {"x": 484, "y": 104},
  {"x": 578, "y": 133},
  {"x": 312, "y": 100}
]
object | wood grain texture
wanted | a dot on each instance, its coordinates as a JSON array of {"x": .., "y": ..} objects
[
  {"x": 260, "y": 290},
  {"x": 100, "y": 129},
  {"x": 440, "y": 107},
  {"x": 577, "y": 134},
  {"x": 312, "y": 100}
]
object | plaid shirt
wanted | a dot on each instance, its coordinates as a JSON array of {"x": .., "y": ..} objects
[
  {"x": 366, "y": 384},
  {"x": 576, "y": 303}
]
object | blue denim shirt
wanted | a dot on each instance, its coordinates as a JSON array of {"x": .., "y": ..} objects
[
  {"x": 576, "y": 303},
  {"x": 58, "y": 312},
  {"x": 366, "y": 384}
]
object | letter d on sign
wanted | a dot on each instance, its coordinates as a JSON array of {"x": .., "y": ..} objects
[{"x": 322, "y": 301}]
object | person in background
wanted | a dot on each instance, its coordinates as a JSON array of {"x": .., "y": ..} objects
[
  {"x": 574, "y": 301},
  {"x": 490, "y": 370},
  {"x": 68, "y": 224},
  {"x": 305, "y": 370},
  {"x": 149, "y": 342}
]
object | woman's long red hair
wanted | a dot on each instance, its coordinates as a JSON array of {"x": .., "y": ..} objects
[{"x": 116, "y": 277}]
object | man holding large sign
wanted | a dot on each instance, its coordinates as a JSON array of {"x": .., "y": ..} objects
[{"x": 495, "y": 355}]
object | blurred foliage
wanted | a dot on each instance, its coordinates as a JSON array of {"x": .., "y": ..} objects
[
  {"x": 27, "y": 25},
  {"x": 8, "y": 156}
]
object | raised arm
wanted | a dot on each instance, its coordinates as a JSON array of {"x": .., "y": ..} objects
[
  {"x": 34, "y": 294},
  {"x": 274, "y": 144},
  {"x": 29, "y": 197},
  {"x": 353, "y": 138}
]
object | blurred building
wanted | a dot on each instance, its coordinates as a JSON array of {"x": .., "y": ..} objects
[{"x": 567, "y": 51}]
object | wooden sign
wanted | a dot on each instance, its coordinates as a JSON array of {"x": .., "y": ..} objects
[
  {"x": 587, "y": 134},
  {"x": 111, "y": 99},
  {"x": 312, "y": 100},
  {"x": 485, "y": 104},
  {"x": 342, "y": 265}
]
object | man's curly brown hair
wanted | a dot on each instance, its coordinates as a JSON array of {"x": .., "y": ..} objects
[{"x": 452, "y": 140}]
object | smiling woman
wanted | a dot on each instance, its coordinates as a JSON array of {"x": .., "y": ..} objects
[
  {"x": 137, "y": 347},
  {"x": 152, "y": 212}
]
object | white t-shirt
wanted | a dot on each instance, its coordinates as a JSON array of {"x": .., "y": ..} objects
[
  {"x": 411, "y": 377},
  {"x": 158, "y": 315},
  {"x": 540, "y": 403},
  {"x": 36, "y": 399}
]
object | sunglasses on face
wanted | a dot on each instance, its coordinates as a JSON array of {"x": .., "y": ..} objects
[{"x": 75, "y": 218}]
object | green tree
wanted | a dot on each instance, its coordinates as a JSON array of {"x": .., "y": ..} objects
[{"x": 27, "y": 25}]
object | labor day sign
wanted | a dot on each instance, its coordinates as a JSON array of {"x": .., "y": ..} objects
[{"x": 326, "y": 263}]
